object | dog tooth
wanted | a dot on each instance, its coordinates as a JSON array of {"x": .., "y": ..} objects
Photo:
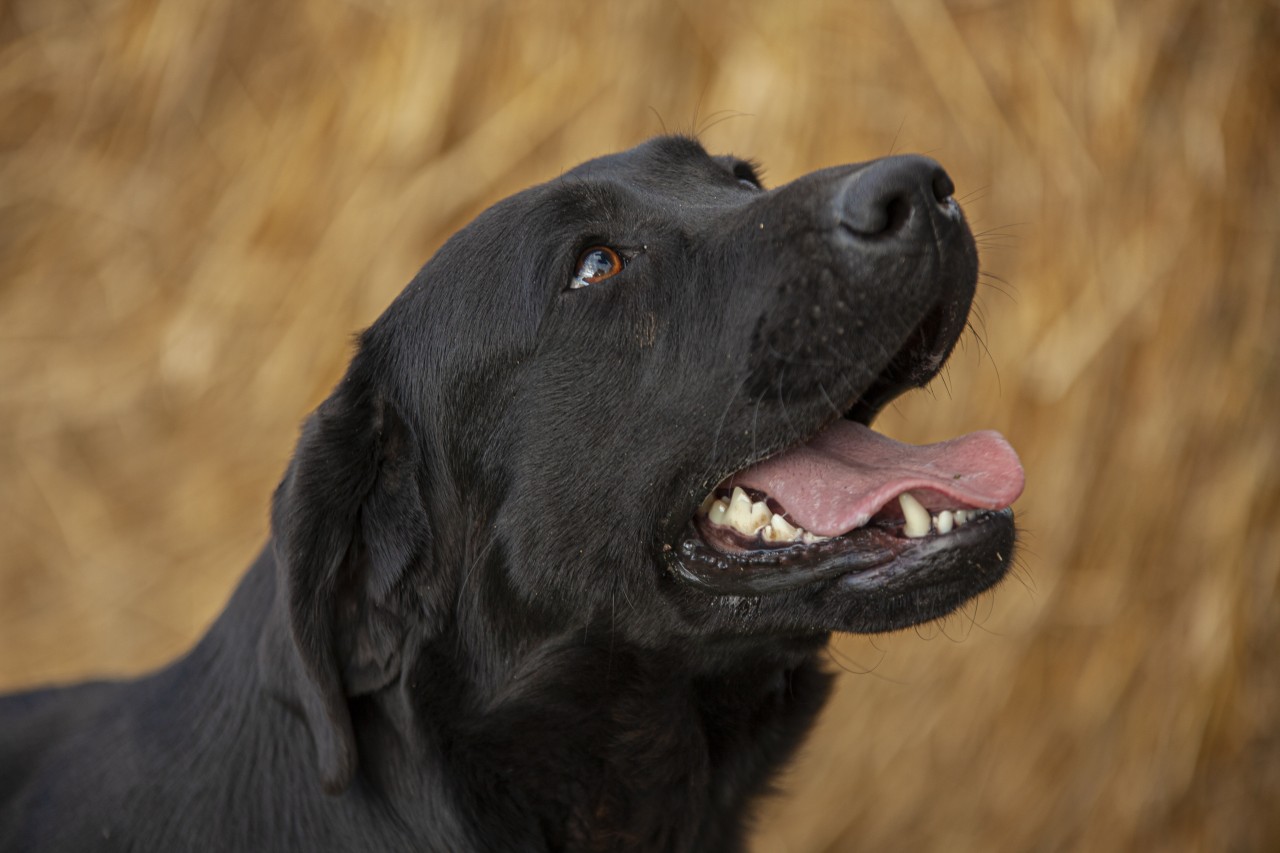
[
  {"x": 810, "y": 538},
  {"x": 707, "y": 502},
  {"x": 739, "y": 514},
  {"x": 944, "y": 521},
  {"x": 961, "y": 516},
  {"x": 760, "y": 515},
  {"x": 717, "y": 512},
  {"x": 916, "y": 516},
  {"x": 783, "y": 529}
]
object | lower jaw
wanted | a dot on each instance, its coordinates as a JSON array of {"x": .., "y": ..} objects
[{"x": 864, "y": 559}]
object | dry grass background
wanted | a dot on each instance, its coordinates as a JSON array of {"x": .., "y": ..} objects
[{"x": 200, "y": 200}]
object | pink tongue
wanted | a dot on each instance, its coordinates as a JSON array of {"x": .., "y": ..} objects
[{"x": 848, "y": 472}]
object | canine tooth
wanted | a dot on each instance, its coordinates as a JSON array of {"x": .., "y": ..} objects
[
  {"x": 783, "y": 530},
  {"x": 917, "y": 517},
  {"x": 717, "y": 512},
  {"x": 760, "y": 515},
  {"x": 944, "y": 521},
  {"x": 739, "y": 514}
]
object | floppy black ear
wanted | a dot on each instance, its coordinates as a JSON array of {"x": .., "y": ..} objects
[{"x": 347, "y": 520}]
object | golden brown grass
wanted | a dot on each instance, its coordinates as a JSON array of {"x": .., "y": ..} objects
[{"x": 200, "y": 200}]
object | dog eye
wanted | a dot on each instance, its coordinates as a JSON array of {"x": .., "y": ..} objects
[
  {"x": 595, "y": 265},
  {"x": 747, "y": 174}
]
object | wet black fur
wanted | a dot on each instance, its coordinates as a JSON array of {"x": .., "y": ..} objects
[{"x": 462, "y": 634}]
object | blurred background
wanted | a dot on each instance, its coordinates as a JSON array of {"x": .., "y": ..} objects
[{"x": 202, "y": 200}]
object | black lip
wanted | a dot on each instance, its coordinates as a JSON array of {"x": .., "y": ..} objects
[{"x": 866, "y": 558}]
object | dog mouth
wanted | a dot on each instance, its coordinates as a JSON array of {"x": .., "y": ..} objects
[
  {"x": 851, "y": 502},
  {"x": 848, "y": 477}
]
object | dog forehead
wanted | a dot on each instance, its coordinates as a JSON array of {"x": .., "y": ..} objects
[{"x": 671, "y": 166}]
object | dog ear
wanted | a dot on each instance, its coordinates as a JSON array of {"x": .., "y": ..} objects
[{"x": 347, "y": 521}]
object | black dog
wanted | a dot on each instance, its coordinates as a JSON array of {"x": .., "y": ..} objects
[{"x": 554, "y": 565}]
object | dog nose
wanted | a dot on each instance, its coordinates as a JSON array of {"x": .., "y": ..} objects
[{"x": 880, "y": 198}]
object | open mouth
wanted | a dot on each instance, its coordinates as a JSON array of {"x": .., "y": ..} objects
[
  {"x": 852, "y": 502},
  {"x": 849, "y": 477}
]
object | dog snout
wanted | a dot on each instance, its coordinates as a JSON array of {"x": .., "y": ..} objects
[{"x": 892, "y": 195}]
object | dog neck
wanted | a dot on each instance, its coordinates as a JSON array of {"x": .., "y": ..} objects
[
  {"x": 656, "y": 756},
  {"x": 595, "y": 743},
  {"x": 577, "y": 738}
]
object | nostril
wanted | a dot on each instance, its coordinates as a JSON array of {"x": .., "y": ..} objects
[
  {"x": 897, "y": 212},
  {"x": 943, "y": 188}
]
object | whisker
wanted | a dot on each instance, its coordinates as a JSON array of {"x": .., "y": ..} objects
[
  {"x": 982, "y": 343},
  {"x": 838, "y": 413},
  {"x": 715, "y": 441},
  {"x": 999, "y": 284}
]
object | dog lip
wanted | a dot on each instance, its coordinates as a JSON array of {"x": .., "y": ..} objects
[
  {"x": 765, "y": 571},
  {"x": 865, "y": 558}
]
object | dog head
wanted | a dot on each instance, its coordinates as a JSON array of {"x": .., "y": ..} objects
[{"x": 639, "y": 395}]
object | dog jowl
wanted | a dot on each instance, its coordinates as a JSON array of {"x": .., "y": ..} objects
[{"x": 553, "y": 566}]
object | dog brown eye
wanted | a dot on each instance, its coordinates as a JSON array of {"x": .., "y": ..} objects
[{"x": 595, "y": 265}]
